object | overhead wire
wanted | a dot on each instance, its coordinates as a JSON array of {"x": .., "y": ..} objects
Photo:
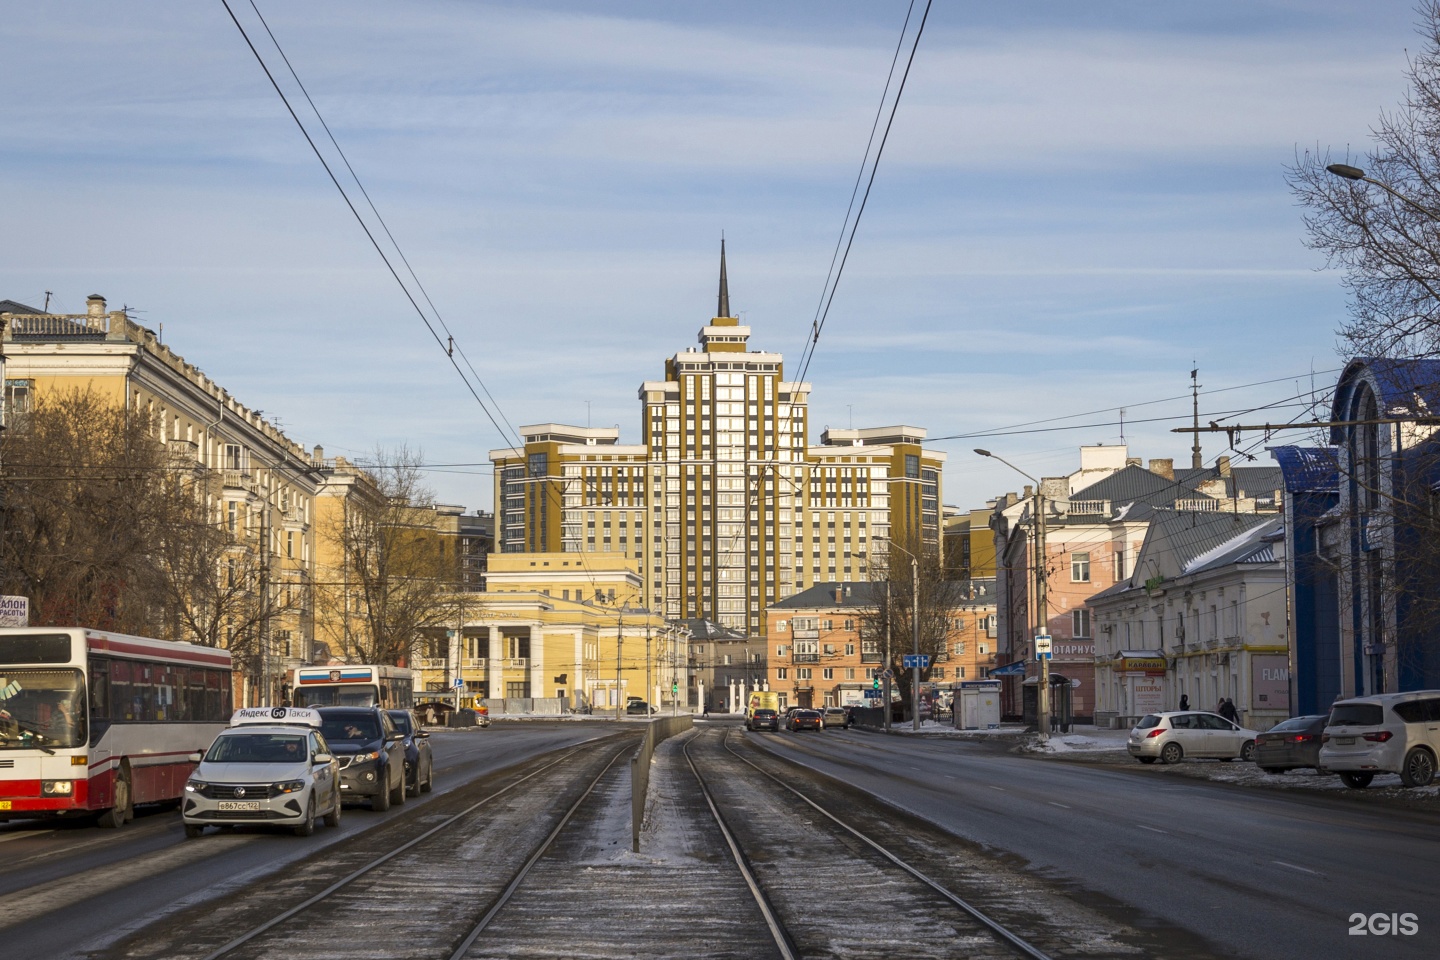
[{"x": 369, "y": 234}]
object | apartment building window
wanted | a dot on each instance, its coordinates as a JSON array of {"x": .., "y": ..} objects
[
  {"x": 827, "y": 625},
  {"x": 232, "y": 456},
  {"x": 232, "y": 517},
  {"x": 937, "y": 673},
  {"x": 781, "y": 673},
  {"x": 1079, "y": 568},
  {"x": 849, "y": 624},
  {"x": 849, "y": 649},
  {"x": 828, "y": 673},
  {"x": 1119, "y": 562},
  {"x": 1080, "y": 622},
  {"x": 290, "y": 543},
  {"x": 17, "y": 396},
  {"x": 802, "y": 673},
  {"x": 849, "y": 673}
]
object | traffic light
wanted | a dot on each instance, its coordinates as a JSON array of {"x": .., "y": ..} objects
[{"x": 876, "y": 683}]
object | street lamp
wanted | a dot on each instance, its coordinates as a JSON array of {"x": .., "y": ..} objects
[
  {"x": 915, "y": 635},
  {"x": 1042, "y": 711},
  {"x": 1347, "y": 172}
]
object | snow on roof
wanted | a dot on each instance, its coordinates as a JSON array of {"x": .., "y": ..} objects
[{"x": 1254, "y": 536}]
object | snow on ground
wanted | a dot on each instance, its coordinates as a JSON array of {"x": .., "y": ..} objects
[{"x": 1081, "y": 739}]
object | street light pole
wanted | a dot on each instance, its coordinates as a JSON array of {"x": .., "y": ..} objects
[
  {"x": 1347, "y": 172},
  {"x": 1042, "y": 700},
  {"x": 915, "y": 631}
]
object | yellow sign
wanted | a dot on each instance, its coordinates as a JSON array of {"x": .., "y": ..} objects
[
  {"x": 1143, "y": 664},
  {"x": 4, "y": 804}
]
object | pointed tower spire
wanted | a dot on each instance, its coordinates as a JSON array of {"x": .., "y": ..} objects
[{"x": 723, "y": 309}]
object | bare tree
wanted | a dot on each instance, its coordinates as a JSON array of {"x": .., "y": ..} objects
[
  {"x": 86, "y": 497},
  {"x": 1387, "y": 244},
  {"x": 940, "y": 600},
  {"x": 397, "y": 578}
]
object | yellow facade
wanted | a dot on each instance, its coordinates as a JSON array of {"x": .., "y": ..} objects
[
  {"x": 559, "y": 626},
  {"x": 260, "y": 484}
]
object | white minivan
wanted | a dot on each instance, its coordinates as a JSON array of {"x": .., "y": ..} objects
[{"x": 1385, "y": 733}]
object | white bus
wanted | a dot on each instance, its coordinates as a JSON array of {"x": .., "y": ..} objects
[
  {"x": 353, "y": 686},
  {"x": 95, "y": 723}
]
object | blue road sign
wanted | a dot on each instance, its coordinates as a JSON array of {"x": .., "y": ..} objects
[
  {"x": 871, "y": 694},
  {"x": 913, "y": 660},
  {"x": 1016, "y": 669},
  {"x": 459, "y": 681}
]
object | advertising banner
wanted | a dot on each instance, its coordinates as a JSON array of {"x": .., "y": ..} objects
[
  {"x": 14, "y": 611},
  {"x": 1269, "y": 682}
]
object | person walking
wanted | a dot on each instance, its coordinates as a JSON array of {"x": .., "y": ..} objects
[
  {"x": 1184, "y": 701},
  {"x": 1228, "y": 711}
]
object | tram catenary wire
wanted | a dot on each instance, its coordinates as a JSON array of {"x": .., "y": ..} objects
[{"x": 1004, "y": 934}]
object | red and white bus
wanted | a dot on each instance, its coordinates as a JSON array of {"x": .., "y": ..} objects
[
  {"x": 94, "y": 722},
  {"x": 359, "y": 685}
]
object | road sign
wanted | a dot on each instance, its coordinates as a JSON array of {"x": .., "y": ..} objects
[
  {"x": 886, "y": 674},
  {"x": 1042, "y": 647},
  {"x": 914, "y": 660},
  {"x": 871, "y": 694},
  {"x": 1015, "y": 669},
  {"x": 459, "y": 683}
]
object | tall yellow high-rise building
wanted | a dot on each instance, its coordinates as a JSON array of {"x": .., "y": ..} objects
[{"x": 726, "y": 506}]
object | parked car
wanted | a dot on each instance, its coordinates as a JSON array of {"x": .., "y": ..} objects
[
  {"x": 419, "y": 759},
  {"x": 805, "y": 720},
  {"x": 1176, "y": 734},
  {"x": 836, "y": 717},
  {"x": 371, "y": 753},
  {"x": 1290, "y": 744},
  {"x": 763, "y": 719},
  {"x": 1386, "y": 733},
  {"x": 639, "y": 708}
]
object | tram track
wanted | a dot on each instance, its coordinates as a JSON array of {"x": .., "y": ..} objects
[
  {"x": 418, "y": 898},
  {"x": 802, "y": 862}
]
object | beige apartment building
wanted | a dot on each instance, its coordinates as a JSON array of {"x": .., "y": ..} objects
[
  {"x": 258, "y": 483},
  {"x": 725, "y": 505}
]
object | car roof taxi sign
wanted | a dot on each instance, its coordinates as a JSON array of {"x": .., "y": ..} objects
[{"x": 303, "y": 716}]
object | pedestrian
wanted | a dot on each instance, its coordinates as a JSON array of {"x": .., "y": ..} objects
[
  {"x": 1228, "y": 711},
  {"x": 706, "y": 711},
  {"x": 1184, "y": 701}
]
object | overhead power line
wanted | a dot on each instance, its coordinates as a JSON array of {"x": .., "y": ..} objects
[{"x": 446, "y": 343}]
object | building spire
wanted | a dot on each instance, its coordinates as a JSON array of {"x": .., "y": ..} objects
[{"x": 723, "y": 308}]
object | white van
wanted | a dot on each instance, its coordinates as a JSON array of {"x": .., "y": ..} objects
[{"x": 1385, "y": 733}]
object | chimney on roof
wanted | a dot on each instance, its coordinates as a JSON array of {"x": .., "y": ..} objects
[
  {"x": 318, "y": 457},
  {"x": 839, "y": 593},
  {"x": 1224, "y": 464},
  {"x": 1029, "y": 492},
  {"x": 95, "y": 305},
  {"x": 1134, "y": 462},
  {"x": 1163, "y": 468}
]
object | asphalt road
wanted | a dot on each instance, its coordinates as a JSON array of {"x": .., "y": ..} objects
[
  {"x": 68, "y": 889},
  {"x": 1258, "y": 873}
]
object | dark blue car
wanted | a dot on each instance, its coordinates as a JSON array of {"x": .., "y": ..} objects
[{"x": 419, "y": 760}]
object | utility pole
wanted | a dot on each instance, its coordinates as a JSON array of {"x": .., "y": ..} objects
[
  {"x": 915, "y": 631},
  {"x": 1195, "y": 460},
  {"x": 649, "y": 683},
  {"x": 619, "y": 645},
  {"x": 886, "y": 694},
  {"x": 1042, "y": 625}
]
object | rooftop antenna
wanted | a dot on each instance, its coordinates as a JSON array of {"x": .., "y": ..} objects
[
  {"x": 48, "y": 295},
  {"x": 1122, "y": 425}
]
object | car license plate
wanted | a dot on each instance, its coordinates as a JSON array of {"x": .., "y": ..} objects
[
  {"x": 1345, "y": 741},
  {"x": 237, "y": 806},
  {"x": 4, "y": 804}
]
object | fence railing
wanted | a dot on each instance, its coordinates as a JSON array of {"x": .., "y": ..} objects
[{"x": 655, "y": 732}]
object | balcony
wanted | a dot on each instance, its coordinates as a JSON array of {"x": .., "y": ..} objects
[
  {"x": 238, "y": 479},
  {"x": 871, "y": 656},
  {"x": 806, "y": 658}
]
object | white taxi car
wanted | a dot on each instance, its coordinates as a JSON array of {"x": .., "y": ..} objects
[{"x": 270, "y": 766}]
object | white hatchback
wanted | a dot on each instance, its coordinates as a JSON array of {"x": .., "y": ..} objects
[
  {"x": 1174, "y": 735},
  {"x": 1386, "y": 733}
]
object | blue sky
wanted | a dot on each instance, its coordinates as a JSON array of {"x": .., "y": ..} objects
[{"x": 1076, "y": 201}]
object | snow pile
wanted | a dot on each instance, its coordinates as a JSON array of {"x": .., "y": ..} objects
[{"x": 1084, "y": 740}]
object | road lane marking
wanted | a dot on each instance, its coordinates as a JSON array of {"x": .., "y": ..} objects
[
  {"x": 1313, "y": 873},
  {"x": 993, "y": 787},
  {"x": 1054, "y": 804},
  {"x": 1153, "y": 829},
  {"x": 27, "y": 833}
]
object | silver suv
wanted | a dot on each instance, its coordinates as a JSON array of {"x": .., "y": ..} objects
[{"x": 1386, "y": 733}]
